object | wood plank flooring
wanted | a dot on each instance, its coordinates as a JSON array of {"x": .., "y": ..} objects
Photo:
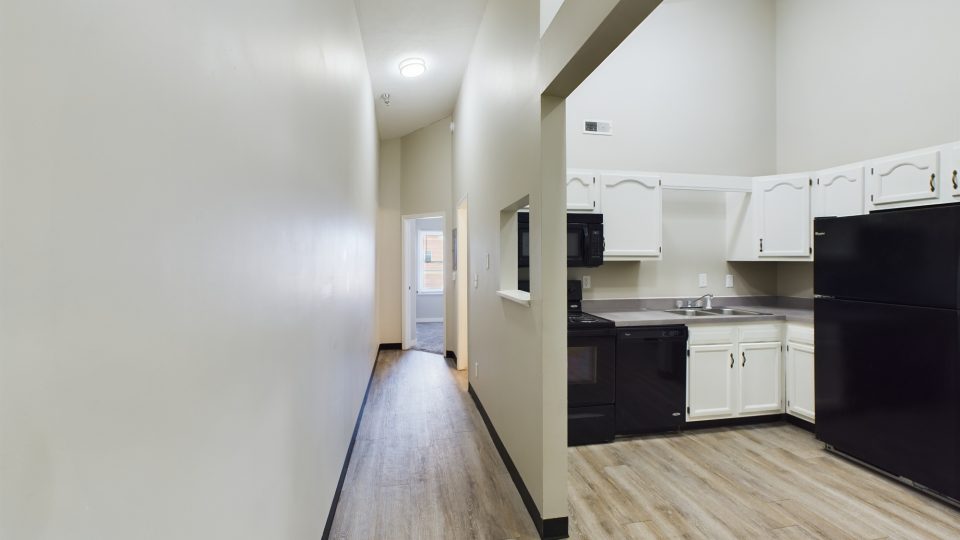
[
  {"x": 769, "y": 481},
  {"x": 425, "y": 467}
]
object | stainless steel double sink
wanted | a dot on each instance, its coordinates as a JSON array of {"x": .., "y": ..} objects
[{"x": 712, "y": 312}]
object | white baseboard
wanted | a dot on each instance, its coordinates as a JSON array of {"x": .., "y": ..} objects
[{"x": 430, "y": 320}]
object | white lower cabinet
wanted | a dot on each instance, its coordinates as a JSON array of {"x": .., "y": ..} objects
[
  {"x": 734, "y": 371},
  {"x": 710, "y": 381},
  {"x": 800, "y": 387},
  {"x": 761, "y": 378}
]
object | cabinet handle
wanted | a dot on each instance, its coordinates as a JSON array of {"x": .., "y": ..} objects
[
  {"x": 731, "y": 360},
  {"x": 932, "y": 178},
  {"x": 744, "y": 355},
  {"x": 955, "y": 186}
]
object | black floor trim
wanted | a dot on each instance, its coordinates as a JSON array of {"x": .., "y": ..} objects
[
  {"x": 549, "y": 529},
  {"x": 327, "y": 529},
  {"x": 390, "y": 346},
  {"x": 452, "y": 355}
]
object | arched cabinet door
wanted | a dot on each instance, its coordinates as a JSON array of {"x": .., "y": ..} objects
[
  {"x": 582, "y": 192},
  {"x": 632, "y": 216},
  {"x": 912, "y": 178},
  {"x": 783, "y": 221},
  {"x": 839, "y": 192}
]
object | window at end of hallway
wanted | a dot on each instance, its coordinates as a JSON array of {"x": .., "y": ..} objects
[{"x": 430, "y": 262}]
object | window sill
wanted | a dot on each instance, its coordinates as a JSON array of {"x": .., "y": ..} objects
[{"x": 519, "y": 297}]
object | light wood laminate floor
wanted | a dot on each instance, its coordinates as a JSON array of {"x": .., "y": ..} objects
[
  {"x": 425, "y": 467},
  {"x": 767, "y": 481}
]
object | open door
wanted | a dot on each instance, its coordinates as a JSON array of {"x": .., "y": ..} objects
[{"x": 409, "y": 332}]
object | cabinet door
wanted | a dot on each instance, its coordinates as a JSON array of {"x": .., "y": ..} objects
[
  {"x": 800, "y": 380},
  {"x": 710, "y": 382},
  {"x": 761, "y": 379},
  {"x": 783, "y": 216},
  {"x": 582, "y": 191},
  {"x": 631, "y": 216},
  {"x": 839, "y": 192},
  {"x": 952, "y": 169},
  {"x": 905, "y": 178}
]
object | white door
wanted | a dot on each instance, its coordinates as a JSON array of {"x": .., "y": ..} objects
[
  {"x": 760, "y": 378},
  {"x": 951, "y": 171},
  {"x": 912, "y": 177},
  {"x": 710, "y": 381},
  {"x": 632, "y": 222},
  {"x": 408, "y": 321},
  {"x": 783, "y": 216},
  {"x": 839, "y": 192},
  {"x": 800, "y": 380},
  {"x": 582, "y": 191}
]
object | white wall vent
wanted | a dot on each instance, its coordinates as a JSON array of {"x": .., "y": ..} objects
[{"x": 597, "y": 127}]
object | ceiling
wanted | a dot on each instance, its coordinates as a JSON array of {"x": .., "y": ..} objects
[{"x": 439, "y": 31}]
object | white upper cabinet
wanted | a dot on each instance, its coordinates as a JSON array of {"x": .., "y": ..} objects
[
  {"x": 782, "y": 214},
  {"x": 632, "y": 216},
  {"x": 839, "y": 192},
  {"x": 582, "y": 192},
  {"x": 905, "y": 179},
  {"x": 951, "y": 170}
]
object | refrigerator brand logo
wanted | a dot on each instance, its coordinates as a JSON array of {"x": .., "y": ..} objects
[{"x": 819, "y": 234}]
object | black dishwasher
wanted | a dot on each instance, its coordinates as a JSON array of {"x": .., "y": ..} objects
[{"x": 651, "y": 379}]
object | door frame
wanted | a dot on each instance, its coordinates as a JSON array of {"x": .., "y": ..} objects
[
  {"x": 462, "y": 283},
  {"x": 408, "y": 287}
]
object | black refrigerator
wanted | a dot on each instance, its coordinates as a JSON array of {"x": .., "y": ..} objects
[{"x": 887, "y": 323}]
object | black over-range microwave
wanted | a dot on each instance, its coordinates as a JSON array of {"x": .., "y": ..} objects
[{"x": 584, "y": 239}]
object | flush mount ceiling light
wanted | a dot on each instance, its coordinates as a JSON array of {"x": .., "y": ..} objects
[{"x": 413, "y": 67}]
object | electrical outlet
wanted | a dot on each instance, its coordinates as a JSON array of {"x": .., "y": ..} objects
[
  {"x": 453, "y": 275},
  {"x": 702, "y": 279},
  {"x": 586, "y": 282},
  {"x": 728, "y": 283},
  {"x": 476, "y": 280}
]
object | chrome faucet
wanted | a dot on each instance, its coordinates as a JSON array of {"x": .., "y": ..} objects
[{"x": 707, "y": 302}]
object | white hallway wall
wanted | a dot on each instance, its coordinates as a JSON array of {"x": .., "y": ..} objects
[
  {"x": 691, "y": 90},
  {"x": 415, "y": 178},
  {"x": 858, "y": 79},
  {"x": 187, "y": 323}
]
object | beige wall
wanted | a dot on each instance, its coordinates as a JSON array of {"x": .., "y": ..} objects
[
  {"x": 390, "y": 241},
  {"x": 859, "y": 79},
  {"x": 879, "y": 78},
  {"x": 415, "y": 178},
  {"x": 693, "y": 243},
  {"x": 681, "y": 102},
  {"x": 186, "y": 329}
]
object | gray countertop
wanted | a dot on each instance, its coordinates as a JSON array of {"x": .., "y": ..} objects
[{"x": 652, "y": 317}]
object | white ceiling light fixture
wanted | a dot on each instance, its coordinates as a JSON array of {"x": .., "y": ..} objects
[{"x": 413, "y": 67}]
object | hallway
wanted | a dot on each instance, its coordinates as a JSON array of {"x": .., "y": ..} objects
[{"x": 424, "y": 465}]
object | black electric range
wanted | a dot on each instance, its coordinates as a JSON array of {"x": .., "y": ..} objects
[{"x": 591, "y": 372}]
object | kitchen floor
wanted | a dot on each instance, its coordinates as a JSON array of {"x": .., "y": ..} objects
[
  {"x": 767, "y": 481},
  {"x": 424, "y": 466}
]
